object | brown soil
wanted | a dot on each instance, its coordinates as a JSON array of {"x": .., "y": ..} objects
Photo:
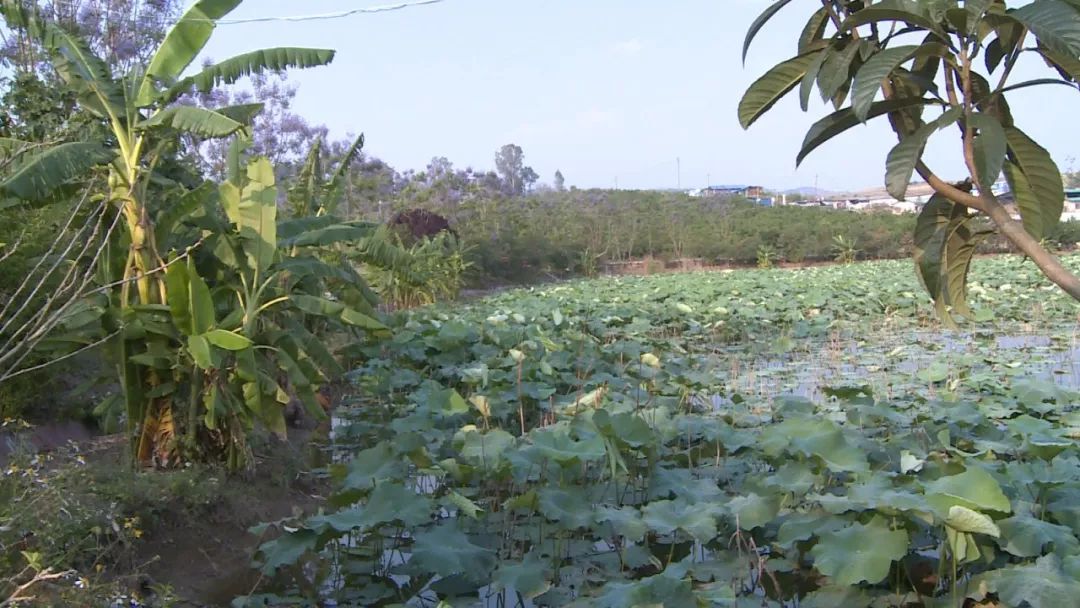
[
  {"x": 47, "y": 437},
  {"x": 205, "y": 558},
  {"x": 209, "y": 563}
]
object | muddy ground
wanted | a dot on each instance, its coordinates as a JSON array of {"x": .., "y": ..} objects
[
  {"x": 195, "y": 547},
  {"x": 207, "y": 560}
]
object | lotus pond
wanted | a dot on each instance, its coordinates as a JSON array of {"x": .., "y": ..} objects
[{"x": 749, "y": 438}]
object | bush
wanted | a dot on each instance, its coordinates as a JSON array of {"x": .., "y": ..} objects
[
  {"x": 558, "y": 234},
  {"x": 1066, "y": 234},
  {"x": 434, "y": 271}
]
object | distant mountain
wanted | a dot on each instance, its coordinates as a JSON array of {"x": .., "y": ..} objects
[{"x": 808, "y": 191}]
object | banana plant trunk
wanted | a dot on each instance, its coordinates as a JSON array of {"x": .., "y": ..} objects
[{"x": 150, "y": 423}]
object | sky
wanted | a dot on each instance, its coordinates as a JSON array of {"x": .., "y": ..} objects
[{"x": 638, "y": 93}]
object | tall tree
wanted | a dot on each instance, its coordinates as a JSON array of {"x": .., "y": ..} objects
[
  {"x": 372, "y": 182},
  {"x": 528, "y": 178},
  {"x": 123, "y": 33},
  {"x": 510, "y": 165},
  {"x": 560, "y": 181},
  {"x": 278, "y": 133},
  {"x": 36, "y": 104},
  {"x": 439, "y": 168}
]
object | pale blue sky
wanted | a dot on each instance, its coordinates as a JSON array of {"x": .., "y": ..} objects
[{"x": 597, "y": 88}]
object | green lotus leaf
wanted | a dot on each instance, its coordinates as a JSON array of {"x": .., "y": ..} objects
[
  {"x": 1024, "y": 536},
  {"x": 974, "y": 489},
  {"x": 667, "y": 516},
  {"x": 859, "y": 552}
]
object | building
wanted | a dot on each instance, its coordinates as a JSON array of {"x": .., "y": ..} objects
[
  {"x": 750, "y": 192},
  {"x": 918, "y": 194},
  {"x": 879, "y": 199}
]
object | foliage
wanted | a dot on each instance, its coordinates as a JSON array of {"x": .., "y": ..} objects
[
  {"x": 510, "y": 164},
  {"x": 551, "y": 234},
  {"x": 433, "y": 271},
  {"x": 50, "y": 268},
  {"x": 34, "y": 111},
  {"x": 846, "y": 249},
  {"x": 122, "y": 537},
  {"x": 766, "y": 256},
  {"x": 415, "y": 224},
  {"x": 318, "y": 191},
  {"x": 921, "y": 56},
  {"x": 244, "y": 365},
  {"x": 212, "y": 357},
  {"x": 87, "y": 520},
  {"x": 278, "y": 132},
  {"x": 1072, "y": 179},
  {"x": 1066, "y": 234},
  {"x": 587, "y": 263},
  {"x": 123, "y": 32},
  {"x": 43, "y": 244},
  {"x": 593, "y": 443}
]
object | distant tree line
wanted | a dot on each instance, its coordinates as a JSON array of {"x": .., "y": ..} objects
[{"x": 519, "y": 230}]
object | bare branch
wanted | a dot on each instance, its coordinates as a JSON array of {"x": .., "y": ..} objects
[
  {"x": 19, "y": 595},
  {"x": 74, "y": 288},
  {"x": 62, "y": 291},
  {"x": 91, "y": 346},
  {"x": 9, "y": 251},
  {"x": 50, "y": 252}
]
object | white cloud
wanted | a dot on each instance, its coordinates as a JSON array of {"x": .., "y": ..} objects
[{"x": 628, "y": 48}]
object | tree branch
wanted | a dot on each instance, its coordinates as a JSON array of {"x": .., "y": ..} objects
[
  {"x": 1013, "y": 230},
  {"x": 830, "y": 8},
  {"x": 987, "y": 203},
  {"x": 1047, "y": 262},
  {"x": 10, "y": 251},
  {"x": 1010, "y": 62},
  {"x": 19, "y": 596},
  {"x": 949, "y": 191},
  {"x": 73, "y": 353},
  {"x": 969, "y": 129}
]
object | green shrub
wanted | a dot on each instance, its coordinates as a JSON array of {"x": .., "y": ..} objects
[
  {"x": 766, "y": 256},
  {"x": 1066, "y": 234},
  {"x": 559, "y": 234},
  {"x": 434, "y": 272},
  {"x": 845, "y": 249}
]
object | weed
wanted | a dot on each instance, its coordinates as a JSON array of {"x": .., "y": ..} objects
[{"x": 766, "y": 256}]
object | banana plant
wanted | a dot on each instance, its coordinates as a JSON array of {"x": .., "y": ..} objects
[
  {"x": 422, "y": 273},
  {"x": 146, "y": 119},
  {"x": 316, "y": 194},
  {"x": 314, "y": 232},
  {"x": 241, "y": 308},
  {"x": 931, "y": 67}
]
